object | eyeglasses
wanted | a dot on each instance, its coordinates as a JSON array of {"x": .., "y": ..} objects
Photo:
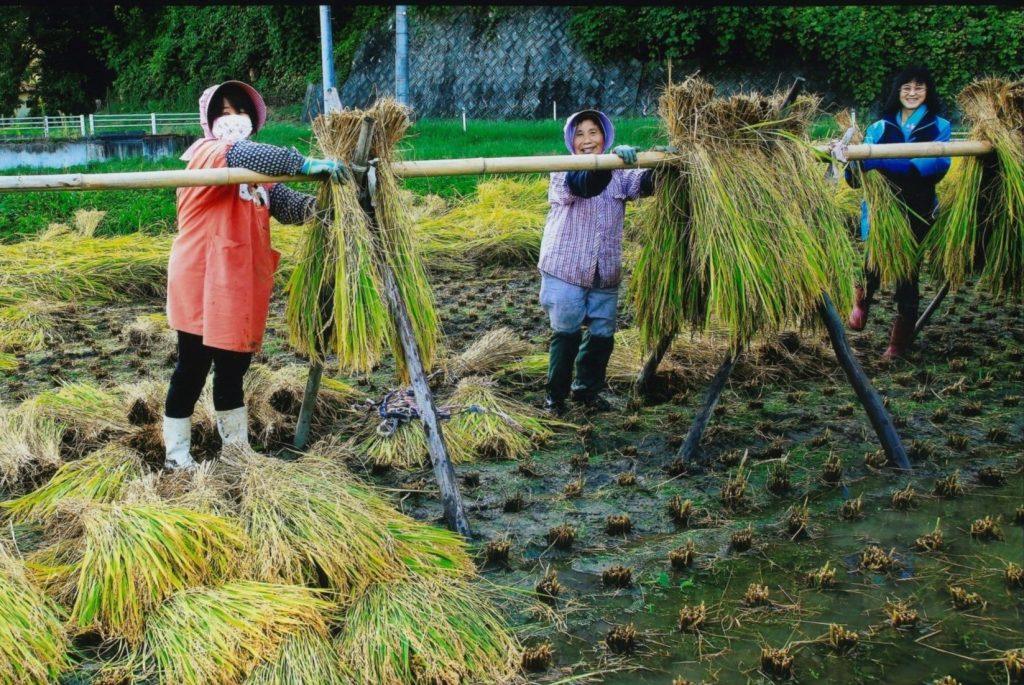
[{"x": 907, "y": 90}]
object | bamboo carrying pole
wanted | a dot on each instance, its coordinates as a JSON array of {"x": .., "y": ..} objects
[{"x": 440, "y": 167}]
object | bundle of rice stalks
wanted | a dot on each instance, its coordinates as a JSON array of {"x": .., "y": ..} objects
[
  {"x": 130, "y": 558},
  {"x": 504, "y": 429},
  {"x": 489, "y": 353},
  {"x": 33, "y": 642},
  {"x": 310, "y": 522},
  {"x": 29, "y": 445},
  {"x": 892, "y": 248},
  {"x": 305, "y": 656},
  {"x": 85, "y": 270},
  {"x": 336, "y": 300},
  {"x": 751, "y": 227},
  {"x": 980, "y": 228},
  {"x": 151, "y": 332},
  {"x": 274, "y": 398},
  {"x": 219, "y": 636},
  {"x": 502, "y": 224},
  {"x": 28, "y": 325},
  {"x": 90, "y": 413},
  {"x": 204, "y": 489},
  {"x": 98, "y": 477},
  {"x": 424, "y": 630}
]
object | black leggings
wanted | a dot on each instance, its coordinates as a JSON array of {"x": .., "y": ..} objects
[
  {"x": 189, "y": 377},
  {"x": 907, "y": 294}
]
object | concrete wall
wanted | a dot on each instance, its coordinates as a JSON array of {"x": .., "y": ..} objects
[{"x": 519, "y": 64}]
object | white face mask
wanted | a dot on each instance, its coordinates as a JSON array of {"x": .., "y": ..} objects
[{"x": 232, "y": 128}]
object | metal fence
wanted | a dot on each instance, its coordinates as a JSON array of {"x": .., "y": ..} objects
[{"x": 82, "y": 125}]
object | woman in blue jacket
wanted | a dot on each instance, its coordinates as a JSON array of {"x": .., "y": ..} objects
[{"x": 910, "y": 115}]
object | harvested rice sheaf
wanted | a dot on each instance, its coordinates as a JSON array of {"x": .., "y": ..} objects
[
  {"x": 305, "y": 656},
  {"x": 242, "y": 625},
  {"x": 979, "y": 228},
  {"x": 744, "y": 191},
  {"x": 130, "y": 558},
  {"x": 424, "y": 630},
  {"x": 492, "y": 351},
  {"x": 310, "y": 520},
  {"x": 33, "y": 641},
  {"x": 29, "y": 445},
  {"x": 98, "y": 477},
  {"x": 336, "y": 294}
]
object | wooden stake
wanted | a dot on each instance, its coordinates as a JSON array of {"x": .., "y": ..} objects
[
  {"x": 440, "y": 167},
  {"x": 691, "y": 446},
  {"x": 643, "y": 380},
  {"x": 930, "y": 309},
  {"x": 877, "y": 414}
]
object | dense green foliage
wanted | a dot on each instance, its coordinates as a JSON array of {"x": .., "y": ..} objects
[
  {"x": 858, "y": 46},
  {"x": 162, "y": 57}
]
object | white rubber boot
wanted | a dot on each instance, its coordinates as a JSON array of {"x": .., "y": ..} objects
[
  {"x": 177, "y": 441},
  {"x": 233, "y": 426}
]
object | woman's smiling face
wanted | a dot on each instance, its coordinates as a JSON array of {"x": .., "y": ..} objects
[
  {"x": 588, "y": 139},
  {"x": 913, "y": 94}
]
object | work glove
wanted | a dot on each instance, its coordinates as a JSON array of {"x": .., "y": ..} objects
[
  {"x": 338, "y": 171},
  {"x": 667, "y": 149},
  {"x": 626, "y": 153}
]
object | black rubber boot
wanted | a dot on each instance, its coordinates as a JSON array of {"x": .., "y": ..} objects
[
  {"x": 591, "y": 365},
  {"x": 561, "y": 353}
]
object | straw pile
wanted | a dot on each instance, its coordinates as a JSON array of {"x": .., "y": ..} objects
[
  {"x": 980, "y": 228},
  {"x": 336, "y": 295},
  {"x": 29, "y": 445},
  {"x": 33, "y": 642},
  {"x": 892, "y": 248},
  {"x": 751, "y": 228}
]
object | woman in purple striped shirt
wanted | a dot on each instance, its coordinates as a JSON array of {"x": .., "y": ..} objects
[{"x": 581, "y": 261}]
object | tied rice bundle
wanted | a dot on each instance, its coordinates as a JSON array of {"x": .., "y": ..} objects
[
  {"x": 219, "y": 636},
  {"x": 29, "y": 444},
  {"x": 752, "y": 230},
  {"x": 33, "y": 642},
  {"x": 425, "y": 630},
  {"x": 980, "y": 228},
  {"x": 336, "y": 294},
  {"x": 892, "y": 248},
  {"x": 130, "y": 558}
]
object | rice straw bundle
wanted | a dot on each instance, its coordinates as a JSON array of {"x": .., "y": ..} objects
[
  {"x": 980, "y": 228},
  {"x": 274, "y": 397},
  {"x": 89, "y": 412},
  {"x": 752, "y": 231},
  {"x": 424, "y": 630},
  {"x": 336, "y": 300},
  {"x": 28, "y": 324},
  {"x": 501, "y": 224},
  {"x": 29, "y": 444},
  {"x": 310, "y": 522},
  {"x": 218, "y": 636},
  {"x": 130, "y": 558},
  {"x": 33, "y": 642},
  {"x": 205, "y": 489},
  {"x": 305, "y": 656},
  {"x": 505, "y": 429},
  {"x": 97, "y": 477},
  {"x": 489, "y": 353},
  {"x": 892, "y": 248},
  {"x": 405, "y": 448}
]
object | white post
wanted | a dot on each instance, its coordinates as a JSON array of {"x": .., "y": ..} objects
[
  {"x": 46, "y": 126},
  {"x": 463, "y": 119},
  {"x": 152, "y": 122},
  {"x": 81, "y": 122},
  {"x": 554, "y": 111},
  {"x": 401, "y": 56},
  {"x": 92, "y": 125}
]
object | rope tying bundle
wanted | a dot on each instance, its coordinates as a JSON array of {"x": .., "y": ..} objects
[{"x": 399, "y": 406}]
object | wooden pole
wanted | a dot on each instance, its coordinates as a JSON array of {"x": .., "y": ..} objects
[
  {"x": 691, "y": 446},
  {"x": 930, "y": 309},
  {"x": 438, "y": 167},
  {"x": 444, "y": 472},
  {"x": 877, "y": 414},
  {"x": 646, "y": 375}
]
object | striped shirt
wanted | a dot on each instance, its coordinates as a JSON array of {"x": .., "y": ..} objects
[{"x": 583, "y": 236}]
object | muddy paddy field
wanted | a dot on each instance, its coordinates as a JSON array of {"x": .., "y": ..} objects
[{"x": 792, "y": 553}]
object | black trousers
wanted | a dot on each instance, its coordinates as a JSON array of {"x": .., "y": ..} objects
[
  {"x": 189, "y": 377},
  {"x": 907, "y": 294}
]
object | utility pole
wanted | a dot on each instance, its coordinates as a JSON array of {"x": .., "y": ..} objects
[
  {"x": 401, "y": 56},
  {"x": 331, "y": 99}
]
